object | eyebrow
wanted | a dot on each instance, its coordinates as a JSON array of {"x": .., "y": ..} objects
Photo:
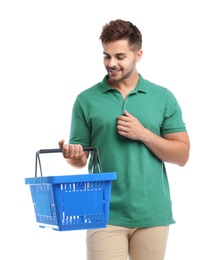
[{"x": 117, "y": 54}]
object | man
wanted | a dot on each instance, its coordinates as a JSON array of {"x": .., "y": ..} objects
[{"x": 137, "y": 126}]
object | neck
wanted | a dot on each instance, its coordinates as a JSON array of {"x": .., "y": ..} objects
[{"x": 125, "y": 86}]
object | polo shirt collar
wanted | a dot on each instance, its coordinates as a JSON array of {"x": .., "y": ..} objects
[{"x": 142, "y": 85}]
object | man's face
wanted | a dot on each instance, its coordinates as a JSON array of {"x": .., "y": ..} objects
[{"x": 119, "y": 60}]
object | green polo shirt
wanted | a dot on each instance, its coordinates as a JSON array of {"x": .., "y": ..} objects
[{"x": 140, "y": 196}]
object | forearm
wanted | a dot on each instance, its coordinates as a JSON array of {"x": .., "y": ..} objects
[{"x": 172, "y": 148}]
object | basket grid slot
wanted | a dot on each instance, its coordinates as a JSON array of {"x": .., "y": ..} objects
[
  {"x": 46, "y": 219},
  {"x": 81, "y": 220},
  {"x": 42, "y": 187},
  {"x": 82, "y": 186}
]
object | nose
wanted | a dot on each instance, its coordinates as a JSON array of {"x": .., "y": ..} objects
[{"x": 112, "y": 62}]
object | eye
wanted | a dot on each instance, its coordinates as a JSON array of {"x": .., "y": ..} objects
[
  {"x": 121, "y": 57},
  {"x": 106, "y": 57}
]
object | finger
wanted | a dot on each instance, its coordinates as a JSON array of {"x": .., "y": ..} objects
[
  {"x": 76, "y": 151},
  {"x": 80, "y": 150},
  {"x": 126, "y": 113},
  {"x": 65, "y": 151},
  {"x": 61, "y": 143},
  {"x": 125, "y": 116},
  {"x": 122, "y": 128},
  {"x": 73, "y": 151},
  {"x": 121, "y": 122}
]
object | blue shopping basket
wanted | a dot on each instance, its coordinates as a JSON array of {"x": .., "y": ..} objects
[{"x": 71, "y": 202}]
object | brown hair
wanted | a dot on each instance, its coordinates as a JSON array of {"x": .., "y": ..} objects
[{"x": 122, "y": 30}]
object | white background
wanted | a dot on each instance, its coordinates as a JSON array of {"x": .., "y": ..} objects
[{"x": 49, "y": 52}]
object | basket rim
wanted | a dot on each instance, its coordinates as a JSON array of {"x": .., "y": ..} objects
[{"x": 103, "y": 176}]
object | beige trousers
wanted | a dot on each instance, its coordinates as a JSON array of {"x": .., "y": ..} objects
[{"x": 119, "y": 243}]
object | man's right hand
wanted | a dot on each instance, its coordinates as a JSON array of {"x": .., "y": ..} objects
[{"x": 71, "y": 151}]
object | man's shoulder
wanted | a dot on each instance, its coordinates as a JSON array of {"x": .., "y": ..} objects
[
  {"x": 90, "y": 90},
  {"x": 150, "y": 86}
]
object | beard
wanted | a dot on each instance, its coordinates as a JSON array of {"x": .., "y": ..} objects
[{"x": 125, "y": 73}]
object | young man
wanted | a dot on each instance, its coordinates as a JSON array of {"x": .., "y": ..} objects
[{"x": 137, "y": 126}]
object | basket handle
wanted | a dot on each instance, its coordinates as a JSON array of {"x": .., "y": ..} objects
[{"x": 95, "y": 158}]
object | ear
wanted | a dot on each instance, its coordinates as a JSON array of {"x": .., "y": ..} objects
[{"x": 138, "y": 55}]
